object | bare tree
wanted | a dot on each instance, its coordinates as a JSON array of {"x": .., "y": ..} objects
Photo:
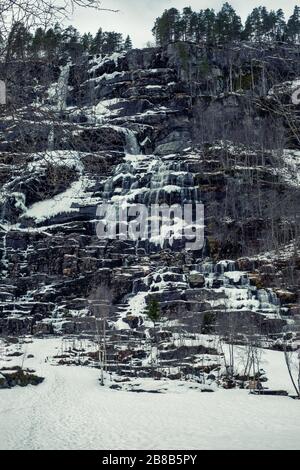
[
  {"x": 33, "y": 14},
  {"x": 292, "y": 360},
  {"x": 100, "y": 303}
]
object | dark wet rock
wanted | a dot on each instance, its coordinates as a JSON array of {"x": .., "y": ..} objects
[
  {"x": 133, "y": 321},
  {"x": 196, "y": 280},
  {"x": 115, "y": 387},
  {"x": 18, "y": 377}
]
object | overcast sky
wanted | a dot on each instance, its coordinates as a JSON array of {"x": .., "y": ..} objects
[{"x": 136, "y": 17}]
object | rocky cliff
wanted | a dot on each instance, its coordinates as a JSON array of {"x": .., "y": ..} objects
[{"x": 176, "y": 125}]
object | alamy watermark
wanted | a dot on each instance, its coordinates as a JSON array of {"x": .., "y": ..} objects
[
  {"x": 160, "y": 224},
  {"x": 296, "y": 97}
]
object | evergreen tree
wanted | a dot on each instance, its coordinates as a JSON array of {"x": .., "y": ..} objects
[
  {"x": 127, "y": 44},
  {"x": 38, "y": 43},
  {"x": 225, "y": 26},
  {"x": 280, "y": 25},
  {"x": 293, "y": 26},
  {"x": 266, "y": 23},
  {"x": 167, "y": 28},
  {"x": 153, "y": 311},
  {"x": 209, "y": 25},
  {"x": 19, "y": 42},
  {"x": 262, "y": 25},
  {"x": 174, "y": 21},
  {"x": 194, "y": 24},
  {"x": 72, "y": 45},
  {"x": 228, "y": 24},
  {"x": 254, "y": 27},
  {"x": 112, "y": 42},
  {"x": 52, "y": 42},
  {"x": 87, "y": 42},
  {"x": 161, "y": 30},
  {"x": 186, "y": 31},
  {"x": 97, "y": 43}
]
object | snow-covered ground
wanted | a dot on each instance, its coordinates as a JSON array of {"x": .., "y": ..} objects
[{"x": 71, "y": 411}]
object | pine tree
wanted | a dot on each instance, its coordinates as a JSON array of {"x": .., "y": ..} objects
[
  {"x": 293, "y": 26},
  {"x": 174, "y": 21},
  {"x": 52, "y": 43},
  {"x": 266, "y": 23},
  {"x": 194, "y": 27},
  {"x": 153, "y": 313},
  {"x": 254, "y": 28},
  {"x": 127, "y": 44},
  {"x": 19, "y": 41},
  {"x": 97, "y": 43},
  {"x": 112, "y": 42},
  {"x": 38, "y": 43},
  {"x": 225, "y": 26},
  {"x": 228, "y": 24},
  {"x": 161, "y": 29},
  {"x": 209, "y": 23},
  {"x": 280, "y": 25},
  {"x": 186, "y": 33},
  {"x": 71, "y": 43},
  {"x": 153, "y": 310},
  {"x": 167, "y": 28},
  {"x": 87, "y": 41}
]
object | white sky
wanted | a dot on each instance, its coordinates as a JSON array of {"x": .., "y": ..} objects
[{"x": 136, "y": 17}]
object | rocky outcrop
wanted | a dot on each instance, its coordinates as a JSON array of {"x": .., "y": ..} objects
[{"x": 150, "y": 126}]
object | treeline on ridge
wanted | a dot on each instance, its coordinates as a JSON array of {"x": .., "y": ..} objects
[
  {"x": 226, "y": 25},
  {"x": 55, "y": 41}
]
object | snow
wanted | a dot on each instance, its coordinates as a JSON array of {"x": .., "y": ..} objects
[
  {"x": 291, "y": 169},
  {"x": 69, "y": 410},
  {"x": 171, "y": 188},
  {"x": 58, "y": 204},
  {"x": 137, "y": 303},
  {"x": 102, "y": 110},
  {"x": 136, "y": 307},
  {"x": 135, "y": 160},
  {"x": 153, "y": 87},
  {"x": 107, "y": 76},
  {"x": 235, "y": 276},
  {"x": 285, "y": 87},
  {"x": 58, "y": 92},
  {"x": 244, "y": 298},
  {"x": 99, "y": 61},
  {"x": 284, "y": 252},
  {"x": 63, "y": 202},
  {"x": 65, "y": 158}
]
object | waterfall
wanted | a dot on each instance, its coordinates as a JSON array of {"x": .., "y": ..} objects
[
  {"x": 50, "y": 143},
  {"x": 268, "y": 299},
  {"x": 158, "y": 181},
  {"x": 131, "y": 144},
  {"x": 4, "y": 203},
  {"x": 60, "y": 100},
  {"x": 4, "y": 259},
  {"x": 62, "y": 87}
]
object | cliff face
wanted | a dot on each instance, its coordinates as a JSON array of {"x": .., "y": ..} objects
[{"x": 165, "y": 126}]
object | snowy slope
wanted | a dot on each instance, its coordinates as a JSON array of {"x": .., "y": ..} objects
[{"x": 71, "y": 411}]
